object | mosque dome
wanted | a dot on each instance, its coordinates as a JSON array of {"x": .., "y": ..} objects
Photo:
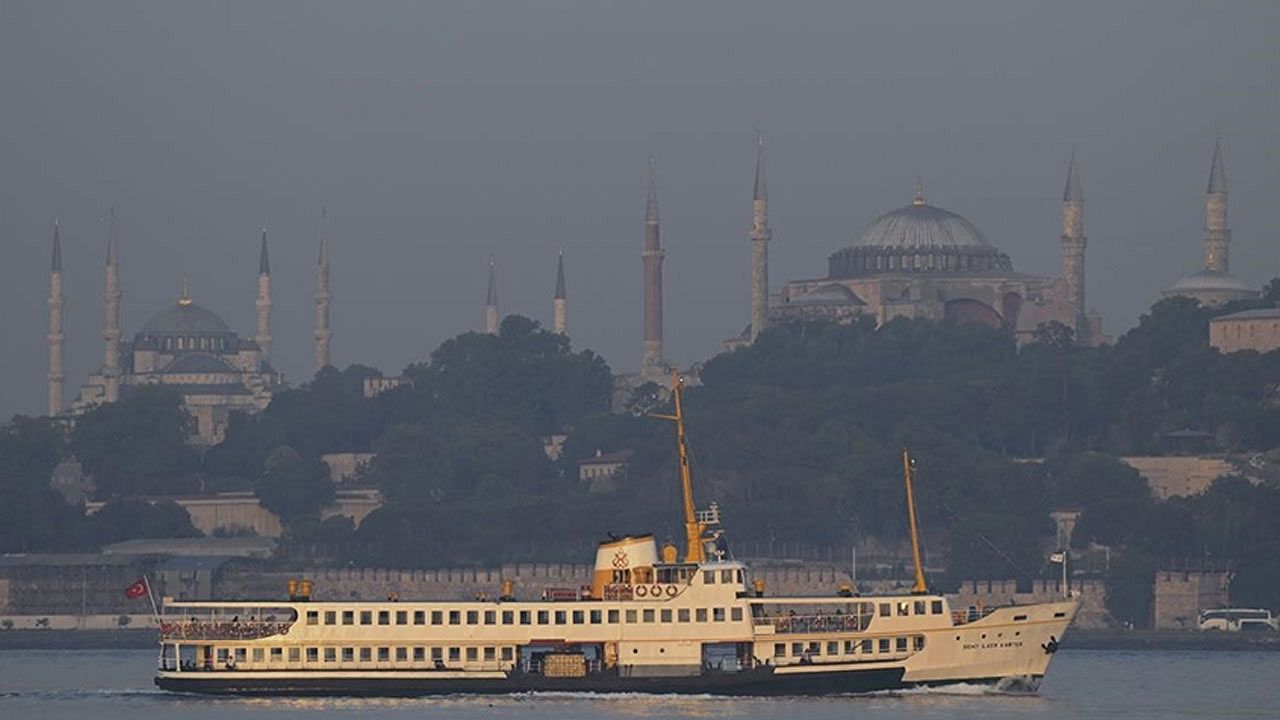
[
  {"x": 185, "y": 318},
  {"x": 1210, "y": 280},
  {"x": 919, "y": 238}
]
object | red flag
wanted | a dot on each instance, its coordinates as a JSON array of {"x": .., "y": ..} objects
[{"x": 136, "y": 590}]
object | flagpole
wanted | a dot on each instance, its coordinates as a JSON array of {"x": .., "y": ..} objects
[{"x": 155, "y": 613}]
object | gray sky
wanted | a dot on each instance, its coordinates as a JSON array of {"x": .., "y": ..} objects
[{"x": 440, "y": 134}]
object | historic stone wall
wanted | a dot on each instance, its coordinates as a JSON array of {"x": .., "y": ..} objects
[{"x": 1180, "y": 596}]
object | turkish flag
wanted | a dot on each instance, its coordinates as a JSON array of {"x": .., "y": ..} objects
[{"x": 136, "y": 590}]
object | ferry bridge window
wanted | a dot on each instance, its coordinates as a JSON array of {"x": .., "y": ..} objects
[
  {"x": 508, "y": 617},
  {"x": 366, "y": 617},
  {"x": 526, "y": 617},
  {"x": 419, "y": 654},
  {"x": 348, "y": 654},
  {"x": 885, "y": 609},
  {"x": 709, "y": 577},
  {"x": 700, "y": 615},
  {"x": 665, "y": 615},
  {"x": 419, "y": 617},
  {"x": 543, "y": 617},
  {"x": 313, "y": 655},
  {"x": 919, "y": 607},
  {"x": 900, "y": 644},
  {"x": 682, "y": 614},
  {"x": 473, "y": 617},
  {"x": 613, "y": 617},
  {"x": 402, "y": 654},
  {"x": 384, "y": 654},
  {"x": 577, "y": 617},
  {"x": 402, "y": 617},
  {"x": 471, "y": 654},
  {"x": 331, "y": 654},
  {"x": 437, "y": 617},
  {"x": 903, "y": 607},
  {"x": 366, "y": 654},
  {"x": 884, "y": 645},
  {"x": 595, "y": 617},
  {"x": 735, "y": 614},
  {"x": 330, "y": 617},
  {"x": 717, "y": 614},
  {"x": 294, "y": 654},
  {"x": 726, "y": 577},
  {"x": 779, "y": 649},
  {"x": 257, "y": 655},
  {"x": 490, "y": 617},
  {"x": 631, "y": 616},
  {"x": 738, "y": 575},
  {"x": 508, "y": 654},
  {"x": 647, "y": 615},
  {"x": 455, "y": 617},
  {"x": 561, "y": 617},
  {"x": 437, "y": 653},
  {"x": 833, "y": 647},
  {"x": 313, "y": 617},
  {"x": 490, "y": 654},
  {"x": 936, "y": 607},
  {"x": 384, "y": 617}
]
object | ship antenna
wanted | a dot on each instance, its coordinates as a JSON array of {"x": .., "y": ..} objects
[
  {"x": 908, "y": 469},
  {"x": 693, "y": 530}
]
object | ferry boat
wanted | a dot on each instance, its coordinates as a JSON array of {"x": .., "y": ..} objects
[{"x": 651, "y": 621}]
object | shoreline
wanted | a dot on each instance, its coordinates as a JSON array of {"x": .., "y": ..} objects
[{"x": 1076, "y": 639}]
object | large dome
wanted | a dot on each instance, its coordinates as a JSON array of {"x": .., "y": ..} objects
[
  {"x": 919, "y": 226},
  {"x": 185, "y": 318}
]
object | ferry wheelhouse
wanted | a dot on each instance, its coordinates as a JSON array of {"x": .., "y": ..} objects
[{"x": 651, "y": 621}]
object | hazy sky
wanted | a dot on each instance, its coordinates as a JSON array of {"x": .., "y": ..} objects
[{"x": 439, "y": 134}]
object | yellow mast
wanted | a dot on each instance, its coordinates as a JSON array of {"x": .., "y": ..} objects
[
  {"x": 694, "y": 552},
  {"x": 920, "y": 587}
]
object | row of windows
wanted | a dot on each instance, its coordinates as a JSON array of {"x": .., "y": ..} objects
[
  {"x": 194, "y": 343},
  {"x": 521, "y": 617},
  {"x": 866, "y": 646},
  {"x": 365, "y": 654},
  {"x": 912, "y": 607}
]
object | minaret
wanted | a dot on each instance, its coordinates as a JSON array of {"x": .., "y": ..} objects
[
  {"x": 558, "y": 304},
  {"x": 1073, "y": 244},
  {"x": 111, "y": 325},
  {"x": 1217, "y": 236},
  {"x": 55, "y": 336},
  {"x": 760, "y": 236},
  {"x": 263, "y": 303},
  {"x": 652, "y": 363},
  {"x": 491, "y": 302},
  {"x": 323, "y": 333}
]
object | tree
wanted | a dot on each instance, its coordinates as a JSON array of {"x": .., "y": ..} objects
[
  {"x": 138, "y": 446},
  {"x": 294, "y": 487},
  {"x": 131, "y": 518}
]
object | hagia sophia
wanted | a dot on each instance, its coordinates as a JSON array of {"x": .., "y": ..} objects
[{"x": 915, "y": 261}]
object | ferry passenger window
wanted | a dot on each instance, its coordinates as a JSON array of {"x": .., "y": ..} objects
[
  {"x": 884, "y": 645},
  {"x": 918, "y": 642},
  {"x": 313, "y": 655},
  {"x": 507, "y": 654},
  {"x": 866, "y": 647},
  {"x": 313, "y": 617},
  {"x": 455, "y": 617},
  {"x": 366, "y": 654},
  {"x": 902, "y": 608},
  {"x": 257, "y": 655},
  {"x": 490, "y": 654},
  {"x": 241, "y": 655},
  {"x": 682, "y": 614},
  {"x": 402, "y": 617},
  {"x": 779, "y": 649},
  {"x": 814, "y": 649},
  {"x": 700, "y": 615},
  {"x": 833, "y": 647},
  {"x": 490, "y": 617},
  {"x": 577, "y": 617},
  {"x": 612, "y": 617},
  {"x": 738, "y": 575},
  {"x": 471, "y": 654},
  {"x": 850, "y": 647},
  {"x": 348, "y": 654},
  {"x": 331, "y": 654},
  {"x": 526, "y": 617},
  {"x": 709, "y": 577},
  {"x": 508, "y": 617},
  {"x": 717, "y": 614},
  {"x": 900, "y": 644},
  {"x": 455, "y": 654},
  {"x": 384, "y": 654},
  {"x": 366, "y": 617},
  {"x": 437, "y": 617},
  {"x": 543, "y": 617},
  {"x": 631, "y": 616},
  {"x": 473, "y": 617},
  {"x": 295, "y": 654},
  {"x": 648, "y": 615},
  {"x": 936, "y": 609},
  {"x": 384, "y": 617},
  {"x": 402, "y": 654},
  {"x": 735, "y": 614},
  {"x": 277, "y": 654},
  {"x": 419, "y": 654},
  {"x": 419, "y": 617},
  {"x": 437, "y": 653},
  {"x": 561, "y": 617},
  {"x": 797, "y": 649},
  {"x": 330, "y": 617},
  {"x": 222, "y": 655},
  {"x": 885, "y": 609},
  {"x": 594, "y": 616},
  {"x": 726, "y": 577},
  {"x": 665, "y": 616},
  {"x": 919, "y": 607}
]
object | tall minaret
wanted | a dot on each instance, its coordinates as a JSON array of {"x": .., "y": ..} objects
[
  {"x": 1073, "y": 244},
  {"x": 760, "y": 236},
  {"x": 263, "y": 303},
  {"x": 1217, "y": 236},
  {"x": 323, "y": 333},
  {"x": 55, "y": 336},
  {"x": 491, "y": 302},
  {"x": 652, "y": 363},
  {"x": 111, "y": 325},
  {"x": 558, "y": 304}
]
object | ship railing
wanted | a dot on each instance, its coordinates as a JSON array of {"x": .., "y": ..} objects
[
  {"x": 222, "y": 630},
  {"x": 618, "y": 591},
  {"x": 818, "y": 623}
]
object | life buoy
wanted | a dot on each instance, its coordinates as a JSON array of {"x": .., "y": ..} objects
[
  {"x": 655, "y": 591},
  {"x": 641, "y": 590},
  {"x": 671, "y": 591}
]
